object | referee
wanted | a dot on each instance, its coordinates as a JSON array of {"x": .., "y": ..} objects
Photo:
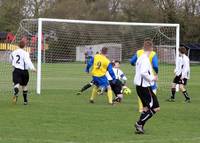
[
  {"x": 144, "y": 78},
  {"x": 21, "y": 62}
]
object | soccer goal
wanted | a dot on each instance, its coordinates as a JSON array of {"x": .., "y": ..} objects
[{"x": 54, "y": 43}]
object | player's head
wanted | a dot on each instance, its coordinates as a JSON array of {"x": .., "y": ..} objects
[
  {"x": 148, "y": 44},
  {"x": 117, "y": 64},
  {"x": 22, "y": 44},
  {"x": 182, "y": 50},
  {"x": 104, "y": 50}
]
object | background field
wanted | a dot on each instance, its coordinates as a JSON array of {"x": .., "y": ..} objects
[{"x": 60, "y": 116}]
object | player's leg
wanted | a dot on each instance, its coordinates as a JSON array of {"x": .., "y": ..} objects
[
  {"x": 173, "y": 89},
  {"x": 16, "y": 75},
  {"x": 117, "y": 89},
  {"x": 25, "y": 87},
  {"x": 94, "y": 94},
  {"x": 140, "y": 105},
  {"x": 184, "y": 91},
  {"x": 109, "y": 94},
  {"x": 85, "y": 87},
  {"x": 151, "y": 106}
]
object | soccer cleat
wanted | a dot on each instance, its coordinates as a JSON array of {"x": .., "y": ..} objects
[
  {"x": 14, "y": 99},
  {"x": 25, "y": 103},
  {"x": 117, "y": 100},
  {"x": 79, "y": 93},
  {"x": 187, "y": 100},
  {"x": 139, "y": 129},
  {"x": 92, "y": 101},
  {"x": 171, "y": 100}
]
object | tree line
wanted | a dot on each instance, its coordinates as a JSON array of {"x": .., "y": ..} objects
[{"x": 185, "y": 12}]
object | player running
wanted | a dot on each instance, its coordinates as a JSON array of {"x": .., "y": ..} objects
[
  {"x": 182, "y": 74},
  {"x": 100, "y": 65},
  {"x": 117, "y": 87},
  {"x": 21, "y": 62},
  {"x": 144, "y": 78},
  {"x": 153, "y": 60}
]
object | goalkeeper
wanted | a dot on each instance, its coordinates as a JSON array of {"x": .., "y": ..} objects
[
  {"x": 153, "y": 60},
  {"x": 100, "y": 65}
]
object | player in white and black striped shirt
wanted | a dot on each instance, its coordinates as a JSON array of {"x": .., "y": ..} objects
[{"x": 21, "y": 62}]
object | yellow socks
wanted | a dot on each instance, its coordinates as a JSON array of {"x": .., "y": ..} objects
[
  {"x": 94, "y": 93},
  {"x": 110, "y": 96}
]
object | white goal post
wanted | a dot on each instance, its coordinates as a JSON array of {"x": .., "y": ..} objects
[{"x": 42, "y": 20}]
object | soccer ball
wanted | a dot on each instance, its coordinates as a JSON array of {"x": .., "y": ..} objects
[{"x": 126, "y": 91}]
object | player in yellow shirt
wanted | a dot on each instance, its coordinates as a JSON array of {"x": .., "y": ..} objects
[
  {"x": 100, "y": 65},
  {"x": 153, "y": 60}
]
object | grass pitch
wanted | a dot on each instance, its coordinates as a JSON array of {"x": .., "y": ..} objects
[{"x": 60, "y": 116}]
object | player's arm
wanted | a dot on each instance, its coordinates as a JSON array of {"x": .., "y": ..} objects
[
  {"x": 145, "y": 72},
  {"x": 155, "y": 63},
  {"x": 122, "y": 77},
  {"x": 29, "y": 63},
  {"x": 133, "y": 59},
  {"x": 111, "y": 72},
  {"x": 11, "y": 58},
  {"x": 177, "y": 70},
  {"x": 89, "y": 65}
]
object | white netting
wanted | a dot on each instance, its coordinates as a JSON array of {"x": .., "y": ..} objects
[{"x": 64, "y": 42}]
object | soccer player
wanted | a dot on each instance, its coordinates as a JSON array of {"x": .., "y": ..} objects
[
  {"x": 182, "y": 74},
  {"x": 21, "y": 62},
  {"x": 143, "y": 80},
  {"x": 88, "y": 55},
  {"x": 120, "y": 81},
  {"x": 100, "y": 65},
  {"x": 154, "y": 61}
]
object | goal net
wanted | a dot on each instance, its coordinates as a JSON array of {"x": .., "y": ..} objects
[{"x": 55, "y": 43}]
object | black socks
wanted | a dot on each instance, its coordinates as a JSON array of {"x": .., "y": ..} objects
[
  {"x": 25, "y": 96},
  {"x": 145, "y": 116},
  {"x": 173, "y": 93}
]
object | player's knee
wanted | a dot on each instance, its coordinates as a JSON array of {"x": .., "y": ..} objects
[
  {"x": 16, "y": 91},
  {"x": 24, "y": 88},
  {"x": 182, "y": 88},
  {"x": 173, "y": 85},
  {"x": 157, "y": 109}
]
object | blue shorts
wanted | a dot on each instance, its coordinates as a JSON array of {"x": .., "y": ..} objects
[
  {"x": 101, "y": 81},
  {"x": 154, "y": 86}
]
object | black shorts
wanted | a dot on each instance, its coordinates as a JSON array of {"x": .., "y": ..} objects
[
  {"x": 178, "y": 80},
  {"x": 117, "y": 87},
  {"x": 147, "y": 97},
  {"x": 20, "y": 77}
]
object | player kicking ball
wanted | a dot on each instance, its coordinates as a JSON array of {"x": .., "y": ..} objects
[
  {"x": 182, "y": 74},
  {"x": 143, "y": 80},
  {"x": 100, "y": 65},
  {"x": 21, "y": 62}
]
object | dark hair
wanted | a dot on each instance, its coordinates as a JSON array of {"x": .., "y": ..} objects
[
  {"x": 148, "y": 39},
  {"x": 22, "y": 44},
  {"x": 104, "y": 50},
  {"x": 116, "y": 61},
  {"x": 182, "y": 50}
]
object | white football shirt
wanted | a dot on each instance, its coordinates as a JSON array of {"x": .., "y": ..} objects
[
  {"x": 20, "y": 59},
  {"x": 143, "y": 72},
  {"x": 186, "y": 67},
  {"x": 118, "y": 74}
]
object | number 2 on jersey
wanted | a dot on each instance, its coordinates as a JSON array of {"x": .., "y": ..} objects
[
  {"x": 17, "y": 61},
  {"x": 98, "y": 65}
]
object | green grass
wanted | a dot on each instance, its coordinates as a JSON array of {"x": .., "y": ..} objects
[{"x": 59, "y": 116}]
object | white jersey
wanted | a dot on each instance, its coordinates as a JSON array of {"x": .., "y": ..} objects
[
  {"x": 20, "y": 59},
  {"x": 179, "y": 65},
  {"x": 186, "y": 67},
  {"x": 118, "y": 74},
  {"x": 143, "y": 75}
]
